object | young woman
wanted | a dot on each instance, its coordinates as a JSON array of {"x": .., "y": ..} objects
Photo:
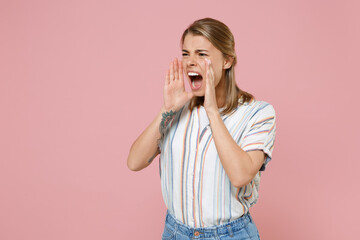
[{"x": 213, "y": 141}]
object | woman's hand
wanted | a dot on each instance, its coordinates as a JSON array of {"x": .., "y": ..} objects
[
  {"x": 175, "y": 95},
  {"x": 210, "y": 103}
]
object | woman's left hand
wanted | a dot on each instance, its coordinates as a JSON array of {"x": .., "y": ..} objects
[{"x": 210, "y": 103}]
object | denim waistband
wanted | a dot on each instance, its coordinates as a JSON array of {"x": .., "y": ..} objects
[{"x": 208, "y": 232}]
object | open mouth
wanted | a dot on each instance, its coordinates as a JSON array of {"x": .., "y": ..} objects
[{"x": 196, "y": 80}]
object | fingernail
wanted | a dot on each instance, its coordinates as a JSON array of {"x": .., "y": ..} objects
[{"x": 208, "y": 60}]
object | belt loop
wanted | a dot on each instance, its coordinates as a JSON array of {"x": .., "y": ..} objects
[
  {"x": 176, "y": 226},
  {"x": 216, "y": 233},
  {"x": 230, "y": 230},
  {"x": 250, "y": 218}
]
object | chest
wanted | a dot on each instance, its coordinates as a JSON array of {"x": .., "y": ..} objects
[{"x": 191, "y": 135}]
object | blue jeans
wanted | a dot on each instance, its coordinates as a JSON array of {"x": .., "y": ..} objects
[{"x": 241, "y": 228}]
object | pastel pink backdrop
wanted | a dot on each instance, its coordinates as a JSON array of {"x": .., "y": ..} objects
[{"x": 80, "y": 80}]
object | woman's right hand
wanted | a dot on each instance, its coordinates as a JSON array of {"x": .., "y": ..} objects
[
  {"x": 175, "y": 95},
  {"x": 145, "y": 148}
]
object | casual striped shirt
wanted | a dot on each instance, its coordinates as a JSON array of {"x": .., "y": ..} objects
[{"x": 195, "y": 187}]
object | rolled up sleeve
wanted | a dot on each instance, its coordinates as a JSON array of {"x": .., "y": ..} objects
[{"x": 261, "y": 134}]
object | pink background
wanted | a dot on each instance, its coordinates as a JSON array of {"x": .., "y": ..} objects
[{"x": 80, "y": 80}]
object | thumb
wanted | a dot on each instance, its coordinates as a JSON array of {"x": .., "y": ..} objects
[{"x": 190, "y": 95}]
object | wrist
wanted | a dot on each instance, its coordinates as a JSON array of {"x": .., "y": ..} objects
[
  {"x": 166, "y": 118},
  {"x": 163, "y": 109},
  {"x": 214, "y": 117},
  {"x": 212, "y": 113},
  {"x": 166, "y": 109}
]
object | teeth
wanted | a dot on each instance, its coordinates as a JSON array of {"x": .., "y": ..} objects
[
  {"x": 193, "y": 74},
  {"x": 193, "y": 84}
]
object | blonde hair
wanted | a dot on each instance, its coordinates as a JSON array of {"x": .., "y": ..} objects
[{"x": 221, "y": 37}]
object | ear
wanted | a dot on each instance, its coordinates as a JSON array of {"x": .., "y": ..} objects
[{"x": 228, "y": 61}]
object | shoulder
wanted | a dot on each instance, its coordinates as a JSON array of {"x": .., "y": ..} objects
[
  {"x": 265, "y": 107},
  {"x": 263, "y": 115},
  {"x": 254, "y": 111},
  {"x": 256, "y": 106}
]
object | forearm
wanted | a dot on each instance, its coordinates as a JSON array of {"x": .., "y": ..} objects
[
  {"x": 237, "y": 163},
  {"x": 145, "y": 147}
]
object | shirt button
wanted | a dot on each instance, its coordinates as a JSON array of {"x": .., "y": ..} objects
[{"x": 196, "y": 233}]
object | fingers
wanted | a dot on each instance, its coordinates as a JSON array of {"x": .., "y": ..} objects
[
  {"x": 212, "y": 75},
  {"x": 171, "y": 72},
  {"x": 181, "y": 71},
  {"x": 209, "y": 72},
  {"x": 167, "y": 77},
  {"x": 176, "y": 69},
  {"x": 207, "y": 67}
]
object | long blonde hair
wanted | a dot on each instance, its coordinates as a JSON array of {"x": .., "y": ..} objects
[{"x": 221, "y": 37}]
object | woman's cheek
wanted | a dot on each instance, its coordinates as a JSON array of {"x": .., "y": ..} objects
[
  {"x": 217, "y": 75},
  {"x": 202, "y": 65}
]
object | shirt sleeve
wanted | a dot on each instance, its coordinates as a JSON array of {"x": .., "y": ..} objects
[{"x": 261, "y": 134}]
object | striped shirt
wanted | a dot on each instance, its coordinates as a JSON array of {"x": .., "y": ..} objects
[{"x": 195, "y": 187}]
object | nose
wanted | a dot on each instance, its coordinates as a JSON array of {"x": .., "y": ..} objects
[{"x": 191, "y": 61}]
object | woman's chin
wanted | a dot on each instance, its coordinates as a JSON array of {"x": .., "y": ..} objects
[{"x": 198, "y": 93}]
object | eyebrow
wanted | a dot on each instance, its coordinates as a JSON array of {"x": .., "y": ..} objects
[{"x": 197, "y": 50}]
